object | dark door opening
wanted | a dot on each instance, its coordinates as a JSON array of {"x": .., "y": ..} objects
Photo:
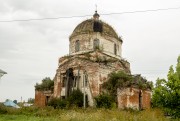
[
  {"x": 47, "y": 100},
  {"x": 140, "y": 100}
]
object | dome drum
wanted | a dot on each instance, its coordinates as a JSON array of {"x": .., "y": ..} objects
[{"x": 85, "y": 43}]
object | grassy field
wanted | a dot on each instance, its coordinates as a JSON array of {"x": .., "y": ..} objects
[
  {"x": 24, "y": 118},
  {"x": 76, "y": 114}
]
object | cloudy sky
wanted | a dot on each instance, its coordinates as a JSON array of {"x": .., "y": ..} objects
[{"x": 29, "y": 50}]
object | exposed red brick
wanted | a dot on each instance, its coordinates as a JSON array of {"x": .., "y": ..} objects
[
  {"x": 146, "y": 99},
  {"x": 40, "y": 99},
  {"x": 130, "y": 98}
]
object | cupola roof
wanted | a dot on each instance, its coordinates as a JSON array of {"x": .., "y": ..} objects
[{"x": 87, "y": 27}]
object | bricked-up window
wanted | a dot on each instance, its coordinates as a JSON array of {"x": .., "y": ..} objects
[
  {"x": 77, "y": 46},
  {"x": 97, "y": 27},
  {"x": 115, "y": 49},
  {"x": 64, "y": 82},
  {"x": 96, "y": 44}
]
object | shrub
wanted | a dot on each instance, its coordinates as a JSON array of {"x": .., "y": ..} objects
[
  {"x": 104, "y": 101},
  {"x": 117, "y": 80},
  {"x": 76, "y": 98},
  {"x": 121, "y": 79},
  {"x": 3, "y": 109},
  {"x": 57, "y": 103},
  {"x": 62, "y": 104}
]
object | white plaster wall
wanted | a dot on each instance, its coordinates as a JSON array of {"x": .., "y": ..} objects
[
  {"x": 63, "y": 91},
  {"x": 86, "y": 44},
  {"x": 58, "y": 79}
]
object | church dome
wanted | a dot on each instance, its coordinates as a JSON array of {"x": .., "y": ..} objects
[
  {"x": 93, "y": 34},
  {"x": 91, "y": 25}
]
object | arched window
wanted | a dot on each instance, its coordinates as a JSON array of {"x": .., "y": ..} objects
[
  {"x": 96, "y": 44},
  {"x": 115, "y": 49},
  {"x": 77, "y": 46}
]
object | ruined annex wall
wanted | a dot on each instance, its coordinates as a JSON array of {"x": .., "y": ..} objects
[
  {"x": 146, "y": 98},
  {"x": 129, "y": 98},
  {"x": 40, "y": 99}
]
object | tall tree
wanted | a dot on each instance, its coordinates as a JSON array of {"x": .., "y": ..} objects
[
  {"x": 47, "y": 84},
  {"x": 166, "y": 93}
]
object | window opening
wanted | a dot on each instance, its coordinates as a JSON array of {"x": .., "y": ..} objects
[
  {"x": 115, "y": 49},
  {"x": 96, "y": 44},
  {"x": 77, "y": 46}
]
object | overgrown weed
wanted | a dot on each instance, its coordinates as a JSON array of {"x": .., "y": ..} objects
[{"x": 80, "y": 114}]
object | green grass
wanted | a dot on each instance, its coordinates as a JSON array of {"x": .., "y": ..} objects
[
  {"x": 76, "y": 114},
  {"x": 24, "y": 118}
]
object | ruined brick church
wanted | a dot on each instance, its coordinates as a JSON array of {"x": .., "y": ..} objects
[{"x": 94, "y": 52}]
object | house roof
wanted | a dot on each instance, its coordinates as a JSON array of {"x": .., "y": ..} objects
[{"x": 10, "y": 103}]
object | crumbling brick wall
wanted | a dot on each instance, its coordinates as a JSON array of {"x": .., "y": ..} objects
[
  {"x": 146, "y": 98},
  {"x": 40, "y": 98},
  {"x": 97, "y": 66},
  {"x": 130, "y": 98}
]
